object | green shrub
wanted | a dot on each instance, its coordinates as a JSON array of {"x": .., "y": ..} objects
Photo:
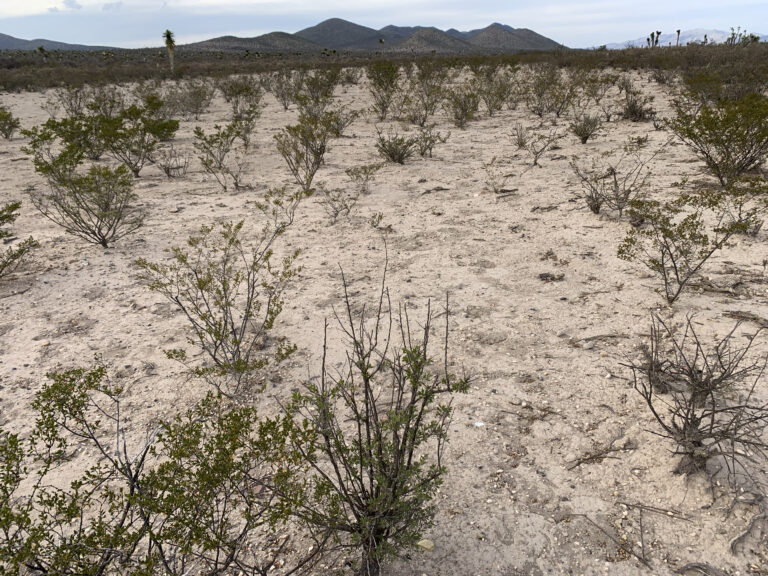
[
  {"x": 231, "y": 295},
  {"x": 190, "y": 99},
  {"x": 731, "y": 136},
  {"x": 372, "y": 482},
  {"x": 12, "y": 256},
  {"x": 461, "y": 104},
  {"x": 242, "y": 93},
  {"x": 424, "y": 91},
  {"x": 494, "y": 86},
  {"x": 194, "y": 493},
  {"x": 584, "y": 126},
  {"x": 133, "y": 136},
  {"x": 8, "y": 124},
  {"x": 675, "y": 241},
  {"x": 218, "y": 156},
  {"x": 395, "y": 147},
  {"x": 384, "y": 78},
  {"x": 303, "y": 147},
  {"x": 362, "y": 176},
  {"x": 428, "y": 138},
  {"x": 96, "y": 206},
  {"x": 637, "y": 106}
]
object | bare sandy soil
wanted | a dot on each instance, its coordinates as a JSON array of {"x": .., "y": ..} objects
[{"x": 548, "y": 385}]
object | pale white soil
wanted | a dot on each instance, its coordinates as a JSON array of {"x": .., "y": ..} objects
[{"x": 548, "y": 385}]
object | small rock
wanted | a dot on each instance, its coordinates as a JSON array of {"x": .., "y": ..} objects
[{"x": 427, "y": 545}]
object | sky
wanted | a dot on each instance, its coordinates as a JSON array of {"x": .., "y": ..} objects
[{"x": 583, "y": 24}]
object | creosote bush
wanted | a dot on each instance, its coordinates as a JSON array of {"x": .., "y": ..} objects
[
  {"x": 585, "y": 126},
  {"x": 194, "y": 494},
  {"x": 303, "y": 147},
  {"x": 379, "y": 430},
  {"x": 12, "y": 256},
  {"x": 731, "y": 136},
  {"x": 231, "y": 294},
  {"x": 674, "y": 239},
  {"x": 218, "y": 155},
  {"x": 8, "y": 123},
  {"x": 384, "y": 79},
  {"x": 134, "y": 135},
  {"x": 461, "y": 104},
  {"x": 703, "y": 400},
  {"x": 98, "y": 205},
  {"x": 394, "y": 146}
]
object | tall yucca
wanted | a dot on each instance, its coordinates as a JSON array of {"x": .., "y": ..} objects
[{"x": 170, "y": 45}]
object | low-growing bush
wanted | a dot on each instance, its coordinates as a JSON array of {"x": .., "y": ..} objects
[
  {"x": 190, "y": 99},
  {"x": 428, "y": 138},
  {"x": 384, "y": 79},
  {"x": 133, "y": 136},
  {"x": 704, "y": 400},
  {"x": 194, "y": 493},
  {"x": 461, "y": 104},
  {"x": 362, "y": 176},
  {"x": 674, "y": 239},
  {"x": 218, "y": 155},
  {"x": 395, "y": 147},
  {"x": 731, "y": 136},
  {"x": 231, "y": 294},
  {"x": 97, "y": 206},
  {"x": 379, "y": 431},
  {"x": 337, "y": 202},
  {"x": 8, "y": 123},
  {"x": 585, "y": 126},
  {"x": 173, "y": 163},
  {"x": 303, "y": 147},
  {"x": 12, "y": 256}
]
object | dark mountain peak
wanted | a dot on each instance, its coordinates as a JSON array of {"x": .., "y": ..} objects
[{"x": 339, "y": 34}]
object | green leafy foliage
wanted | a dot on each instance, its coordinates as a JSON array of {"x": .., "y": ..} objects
[
  {"x": 461, "y": 104},
  {"x": 133, "y": 136},
  {"x": 731, "y": 136},
  {"x": 218, "y": 155},
  {"x": 8, "y": 123},
  {"x": 384, "y": 78},
  {"x": 379, "y": 428},
  {"x": 231, "y": 295},
  {"x": 12, "y": 256},
  {"x": 194, "y": 494},
  {"x": 97, "y": 205},
  {"x": 303, "y": 147},
  {"x": 674, "y": 240},
  {"x": 394, "y": 146}
]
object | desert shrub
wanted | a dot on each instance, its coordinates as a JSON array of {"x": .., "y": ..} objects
[
  {"x": 8, "y": 123},
  {"x": 537, "y": 143},
  {"x": 636, "y": 106},
  {"x": 231, "y": 295},
  {"x": 303, "y": 147},
  {"x": 615, "y": 182},
  {"x": 194, "y": 493},
  {"x": 72, "y": 99},
  {"x": 461, "y": 104},
  {"x": 106, "y": 100},
  {"x": 379, "y": 429},
  {"x": 384, "y": 79},
  {"x": 746, "y": 200},
  {"x": 496, "y": 177},
  {"x": 548, "y": 91},
  {"x": 520, "y": 136},
  {"x": 242, "y": 93},
  {"x": 731, "y": 136},
  {"x": 339, "y": 119},
  {"x": 337, "y": 202},
  {"x": 173, "y": 163},
  {"x": 703, "y": 399},
  {"x": 395, "y": 147},
  {"x": 424, "y": 91},
  {"x": 428, "y": 138},
  {"x": 97, "y": 206},
  {"x": 12, "y": 256},
  {"x": 133, "y": 136},
  {"x": 584, "y": 126},
  {"x": 284, "y": 83},
  {"x": 218, "y": 155},
  {"x": 316, "y": 91},
  {"x": 674, "y": 240},
  {"x": 362, "y": 176},
  {"x": 493, "y": 85},
  {"x": 190, "y": 99},
  {"x": 350, "y": 76}
]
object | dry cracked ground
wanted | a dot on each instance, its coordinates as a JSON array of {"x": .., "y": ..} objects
[{"x": 553, "y": 464}]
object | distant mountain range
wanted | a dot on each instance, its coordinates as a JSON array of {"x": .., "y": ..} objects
[
  {"x": 341, "y": 35},
  {"x": 695, "y": 36}
]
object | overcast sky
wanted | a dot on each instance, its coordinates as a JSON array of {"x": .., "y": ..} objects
[{"x": 138, "y": 23}]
